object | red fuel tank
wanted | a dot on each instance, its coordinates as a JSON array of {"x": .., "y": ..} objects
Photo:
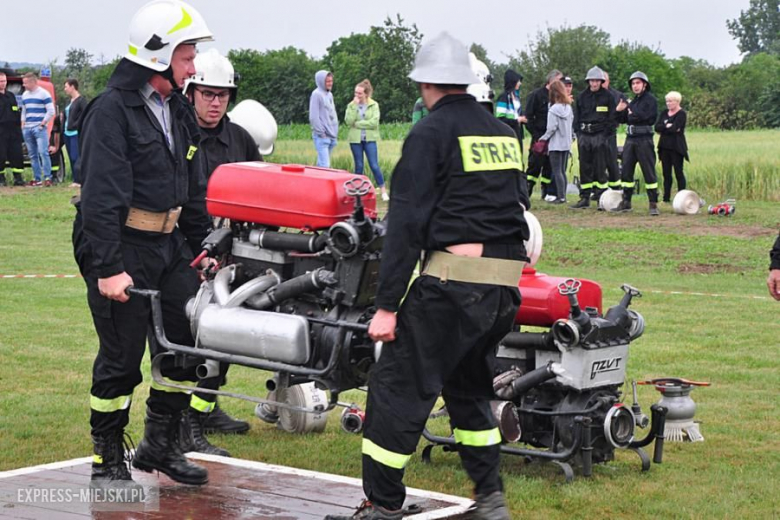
[
  {"x": 288, "y": 195},
  {"x": 542, "y": 305}
]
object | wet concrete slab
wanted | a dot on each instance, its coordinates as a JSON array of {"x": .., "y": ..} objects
[{"x": 237, "y": 489}]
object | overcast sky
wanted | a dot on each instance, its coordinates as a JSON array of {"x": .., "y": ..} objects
[{"x": 695, "y": 28}]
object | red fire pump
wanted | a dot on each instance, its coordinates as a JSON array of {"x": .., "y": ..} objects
[{"x": 299, "y": 251}]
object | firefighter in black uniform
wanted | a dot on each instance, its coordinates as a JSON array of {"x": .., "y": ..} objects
[
  {"x": 141, "y": 176},
  {"x": 536, "y": 107},
  {"x": 640, "y": 115},
  {"x": 613, "y": 169},
  {"x": 457, "y": 199},
  {"x": 593, "y": 120},
  {"x": 210, "y": 90},
  {"x": 10, "y": 134}
]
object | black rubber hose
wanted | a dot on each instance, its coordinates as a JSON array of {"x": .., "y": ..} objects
[
  {"x": 291, "y": 242},
  {"x": 532, "y": 340}
]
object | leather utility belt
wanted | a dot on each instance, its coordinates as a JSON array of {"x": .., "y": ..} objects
[
  {"x": 591, "y": 128},
  {"x": 639, "y": 130},
  {"x": 493, "y": 271},
  {"x": 157, "y": 222}
]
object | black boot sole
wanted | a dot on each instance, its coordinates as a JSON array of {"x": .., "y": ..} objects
[
  {"x": 235, "y": 431},
  {"x": 149, "y": 467}
]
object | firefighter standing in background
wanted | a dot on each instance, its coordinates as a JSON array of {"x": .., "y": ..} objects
[
  {"x": 141, "y": 176},
  {"x": 210, "y": 91},
  {"x": 593, "y": 120},
  {"x": 457, "y": 198},
  {"x": 640, "y": 116},
  {"x": 10, "y": 134},
  {"x": 536, "y": 106},
  {"x": 773, "y": 281}
]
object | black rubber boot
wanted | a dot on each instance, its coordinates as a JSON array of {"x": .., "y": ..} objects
[
  {"x": 192, "y": 436},
  {"x": 368, "y": 511},
  {"x": 654, "y": 209},
  {"x": 625, "y": 204},
  {"x": 109, "y": 464},
  {"x": 160, "y": 450},
  {"x": 18, "y": 180},
  {"x": 583, "y": 203},
  {"x": 218, "y": 421},
  {"x": 490, "y": 507}
]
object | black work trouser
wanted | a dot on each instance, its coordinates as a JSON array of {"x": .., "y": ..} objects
[
  {"x": 593, "y": 151},
  {"x": 671, "y": 159},
  {"x": 613, "y": 169},
  {"x": 639, "y": 149},
  {"x": 446, "y": 341},
  {"x": 539, "y": 169},
  {"x": 162, "y": 264},
  {"x": 558, "y": 161},
  {"x": 11, "y": 148}
]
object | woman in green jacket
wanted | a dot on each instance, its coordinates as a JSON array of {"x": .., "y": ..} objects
[{"x": 362, "y": 118}]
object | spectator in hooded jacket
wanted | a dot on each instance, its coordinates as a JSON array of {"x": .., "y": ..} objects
[
  {"x": 362, "y": 118},
  {"x": 322, "y": 117},
  {"x": 672, "y": 147},
  {"x": 560, "y": 118},
  {"x": 508, "y": 107}
]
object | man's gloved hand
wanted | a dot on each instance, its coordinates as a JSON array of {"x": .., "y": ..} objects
[{"x": 502, "y": 384}]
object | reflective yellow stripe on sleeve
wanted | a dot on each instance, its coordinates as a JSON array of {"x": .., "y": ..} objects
[
  {"x": 489, "y": 153},
  {"x": 201, "y": 405},
  {"x": 110, "y": 405},
  {"x": 653, "y": 186},
  {"x": 481, "y": 438},
  {"x": 383, "y": 456}
]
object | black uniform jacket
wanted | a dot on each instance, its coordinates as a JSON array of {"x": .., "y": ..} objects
[
  {"x": 126, "y": 163},
  {"x": 458, "y": 181},
  {"x": 672, "y": 138},
  {"x": 596, "y": 109},
  {"x": 227, "y": 143},
  {"x": 641, "y": 111},
  {"x": 10, "y": 112},
  {"x": 536, "y": 107},
  {"x": 618, "y": 96},
  {"x": 774, "y": 255}
]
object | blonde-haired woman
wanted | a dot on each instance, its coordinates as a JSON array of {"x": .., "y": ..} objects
[
  {"x": 672, "y": 147},
  {"x": 362, "y": 118}
]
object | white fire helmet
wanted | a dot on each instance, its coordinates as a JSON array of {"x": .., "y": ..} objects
[
  {"x": 258, "y": 121},
  {"x": 213, "y": 70},
  {"x": 161, "y": 26},
  {"x": 443, "y": 60}
]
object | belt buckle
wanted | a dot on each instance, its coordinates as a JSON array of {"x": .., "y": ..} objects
[{"x": 171, "y": 217}]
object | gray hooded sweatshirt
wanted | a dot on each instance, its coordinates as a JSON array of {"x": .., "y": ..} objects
[
  {"x": 560, "y": 118},
  {"x": 322, "y": 111}
]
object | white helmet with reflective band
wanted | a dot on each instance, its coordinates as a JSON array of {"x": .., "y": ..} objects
[
  {"x": 443, "y": 61},
  {"x": 212, "y": 70},
  {"x": 161, "y": 26}
]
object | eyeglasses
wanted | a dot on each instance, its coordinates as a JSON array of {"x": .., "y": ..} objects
[{"x": 209, "y": 95}]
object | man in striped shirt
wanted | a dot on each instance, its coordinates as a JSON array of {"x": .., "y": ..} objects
[{"x": 37, "y": 111}]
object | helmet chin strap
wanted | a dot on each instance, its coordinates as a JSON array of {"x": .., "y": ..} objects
[{"x": 168, "y": 74}]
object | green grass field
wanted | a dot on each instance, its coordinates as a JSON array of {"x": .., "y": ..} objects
[
  {"x": 708, "y": 313},
  {"x": 741, "y": 165}
]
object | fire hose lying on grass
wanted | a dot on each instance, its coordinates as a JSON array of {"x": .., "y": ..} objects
[{"x": 293, "y": 294}]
